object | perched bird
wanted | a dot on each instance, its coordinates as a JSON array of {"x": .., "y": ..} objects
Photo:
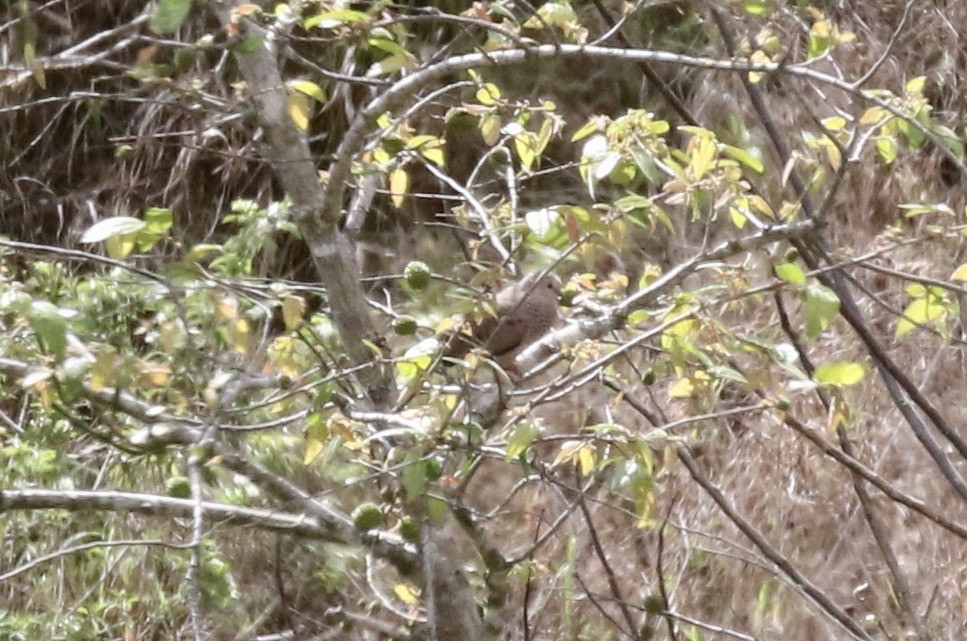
[{"x": 525, "y": 311}]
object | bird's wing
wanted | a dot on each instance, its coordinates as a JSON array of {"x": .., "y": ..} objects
[{"x": 502, "y": 335}]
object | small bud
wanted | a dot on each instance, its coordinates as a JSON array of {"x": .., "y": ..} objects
[
  {"x": 404, "y": 325},
  {"x": 368, "y": 516},
  {"x": 417, "y": 275}
]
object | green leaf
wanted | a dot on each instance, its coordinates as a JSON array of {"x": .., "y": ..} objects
[
  {"x": 157, "y": 222},
  {"x": 50, "y": 326},
  {"x": 112, "y": 227},
  {"x": 391, "y": 47},
  {"x": 368, "y": 516},
  {"x": 333, "y": 19},
  {"x": 390, "y": 64},
  {"x": 821, "y": 307},
  {"x": 170, "y": 15},
  {"x": 791, "y": 273},
  {"x": 744, "y": 157},
  {"x": 251, "y": 44},
  {"x": 589, "y": 128},
  {"x": 755, "y": 7},
  {"x": 950, "y": 139},
  {"x": 521, "y": 439},
  {"x": 414, "y": 476},
  {"x": 887, "y": 149},
  {"x": 839, "y": 373},
  {"x": 417, "y": 358}
]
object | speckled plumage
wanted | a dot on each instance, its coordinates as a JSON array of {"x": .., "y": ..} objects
[{"x": 525, "y": 311}]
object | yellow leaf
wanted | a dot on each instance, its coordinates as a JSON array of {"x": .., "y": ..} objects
[
  {"x": 586, "y": 459},
  {"x": 488, "y": 94},
  {"x": 490, "y": 128},
  {"x": 399, "y": 181},
  {"x": 104, "y": 371},
  {"x": 298, "y": 106},
  {"x": 524, "y": 145},
  {"x": 682, "y": 388},
  {"x": 834, "y": 123},
  {"x": 314, "y": 448},
  {"x": 407, "y": 593},
  {"x": 238, "y": 335},
  {"x": 916, "y": 84},
  {"x": 434, "y": 155},
  {"x": 569, "y": 451},
  {"x": 308, "y": 88},
  {"x": 873, "y": 115},
  {"x": 921, "y": 311},
  {"x": 246, "y": 9},
  {"x": 887, "y": 149},
  {"x": 293, "y": 307},
  {"x": 228, "y": 308},
  {"x": 120, "y": 246},
  {"x": 960, "y": 273},
  {"x": 154, "y": 375},
  {"x": 703, "y": 153},
  {"x": 832, "y": 153}
]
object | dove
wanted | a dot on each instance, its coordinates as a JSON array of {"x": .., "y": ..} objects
[{"x": 525, "y": 311}]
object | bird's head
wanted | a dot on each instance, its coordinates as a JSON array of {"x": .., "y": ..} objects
[{"x": 540, "y": 282}]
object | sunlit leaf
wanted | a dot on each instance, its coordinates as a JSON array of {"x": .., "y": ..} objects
[
  {"x": 399, "y": 182},
  {"x": 586, "y": 460},
  {"x": 417, "y": 358},
  {"x": 490, "y": 128},
  {"x": 541, "y": 221},
  {"x": 702, "y": 155},
  {"x": 916, "y": 85},
  {"x": 120, "y": 246},
  {"x": 839, "y": 373},
  {"x": 921, "y": 311},
  {"x": 874, "y": 115},
  {"x": 960, "y": 273},
  {"x": 406, "y": 593},
  {"x": 525, "y": 144},
  {"x": 887, "y": 148},
  {"x": 333, "y": 19},
  {"x": 791, "y": 273},
  {"x": 682, "y": 388},
  {"x": 308, "y": 88},
  {"x": 390, "y": 64},
  {"x": 298, "y": 108},
  {"x": 112, "y": 227},
  {"x": 293, "y": 308},
  {"x": 589, "y": 128},
  {"x": 755, "y": 7},
  {"x": 744, "y": 157},
  {"x": 835, "y": 123},
  {"x": 488, "y": 94}
]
